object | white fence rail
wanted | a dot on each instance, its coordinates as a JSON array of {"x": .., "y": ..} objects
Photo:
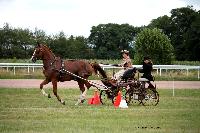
[{"x": 159, "y": 68}]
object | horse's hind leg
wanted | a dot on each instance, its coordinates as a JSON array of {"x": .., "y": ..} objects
[
  {"x": 83, "y": 92},
  {"x": 55, "y": 92},
  {"x": 42, "y": 90}
]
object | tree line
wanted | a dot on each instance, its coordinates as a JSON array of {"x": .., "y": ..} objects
[
  {"x": 20, "y": 43},
  {"x": 183, "y": 29},
  {"x": 165, "y": 38}
]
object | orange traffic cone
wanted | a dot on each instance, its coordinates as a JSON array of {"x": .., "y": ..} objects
[
  {"x": 118, "y": 99},
  {"x": 95, "y": 99}
]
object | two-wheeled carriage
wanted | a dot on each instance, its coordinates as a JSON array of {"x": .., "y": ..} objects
[
  {"x": 138, "y": 93},
  {"x": 134, "y": 91}
]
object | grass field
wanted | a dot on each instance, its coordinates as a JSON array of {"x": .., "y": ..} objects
[{"x": 27, "y": 111}]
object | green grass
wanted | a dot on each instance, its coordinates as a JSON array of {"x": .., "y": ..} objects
[{"x": 27, "y": 111}]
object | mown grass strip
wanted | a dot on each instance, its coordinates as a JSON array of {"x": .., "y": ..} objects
[{"x": 26, "y": 110}]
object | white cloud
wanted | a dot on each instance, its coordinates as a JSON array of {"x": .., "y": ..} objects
[{"x": 76, "y": 17}]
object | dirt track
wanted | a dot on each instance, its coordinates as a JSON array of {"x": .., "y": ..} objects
[{"x": 35, "y": 83}]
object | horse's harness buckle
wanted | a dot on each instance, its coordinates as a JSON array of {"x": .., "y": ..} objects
[{"x": 62, "y": 69}]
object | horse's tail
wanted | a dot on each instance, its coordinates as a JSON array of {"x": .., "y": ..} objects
[{"x": 98, "y": 68}]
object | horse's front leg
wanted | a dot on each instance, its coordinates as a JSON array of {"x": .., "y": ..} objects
[
  {"x": 54, "y": 82},
  {"x": 42, "y": 90}
]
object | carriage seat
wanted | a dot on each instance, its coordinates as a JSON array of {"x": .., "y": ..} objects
[
  {"x": 129, "y": 74},
  {"x": 143, "y": 80}
]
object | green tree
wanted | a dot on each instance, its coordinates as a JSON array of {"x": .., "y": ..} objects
[
  {"x": 182, "y": 19},
  {"x": 71, "y": 48},
  {"x": 192, "y": 39},
  {"x": 15, "y": 43},
  {"x": 182, "y": 27},
  {"x": 6, "y": 41},
  {"x": 78, "y": 47},
  {"x": 19, "y": 43},
  {"x": 59, "y": 45},
  {"x": 40, "y": 36},
  {"x": 163, "y": 22},
  {"x": 155, "y": 44},
  {"x": 108, "y": 39}
]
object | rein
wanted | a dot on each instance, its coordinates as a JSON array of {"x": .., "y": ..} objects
[{"x": 91, "y": 82}]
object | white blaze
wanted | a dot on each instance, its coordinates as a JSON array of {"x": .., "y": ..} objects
[{"x": 33, "y": 54}]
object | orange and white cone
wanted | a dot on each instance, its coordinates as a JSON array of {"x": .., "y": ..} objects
[{"x": 120, "y": 102}]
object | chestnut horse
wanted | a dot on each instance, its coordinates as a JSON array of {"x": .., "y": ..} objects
[{"x": 55, "y": 70}]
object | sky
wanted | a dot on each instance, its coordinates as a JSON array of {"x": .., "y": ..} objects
[{"x": 76, "y": 17}]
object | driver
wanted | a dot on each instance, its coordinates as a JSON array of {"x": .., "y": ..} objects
[
  {"x": 147, "y": 67},
  {"x": 126, "y": 63}
]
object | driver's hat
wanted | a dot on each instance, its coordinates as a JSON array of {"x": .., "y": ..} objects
[
  {"x": 125, "y": 51},
  {"x": 147, "y": 58}
]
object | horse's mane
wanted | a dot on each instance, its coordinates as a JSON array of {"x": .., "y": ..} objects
[
  {"x": 96, "y": 67},
  {"x": 106, "y": 81},
  {"x": 47, "y": 49}
]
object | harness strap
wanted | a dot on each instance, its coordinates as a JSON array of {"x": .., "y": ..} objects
[
  {"x": 91, "y": 82},
  {"x": 63, "y": 70}
]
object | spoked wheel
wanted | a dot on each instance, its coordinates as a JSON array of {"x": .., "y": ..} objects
[
  {"x": 106, "y": 97},
  {"x": 133, "y": 98},
  {"x": 150, "y": 97}
]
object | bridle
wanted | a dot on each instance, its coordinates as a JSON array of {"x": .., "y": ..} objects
[
  {"x": 38, "y": 50},
  {"x": 34, "y": 58},
  {"x": 50, "y": 63}
]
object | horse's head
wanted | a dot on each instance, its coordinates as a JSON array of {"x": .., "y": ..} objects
[
  {"x": 94, "y": 66},
  {"x": 38, "y": 53}
]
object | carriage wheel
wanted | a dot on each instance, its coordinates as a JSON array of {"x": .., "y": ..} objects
[
  {"x": 150, "y": 97},
  {"x": 132, "y": 98},
  {"x": 106, "y": 97}
]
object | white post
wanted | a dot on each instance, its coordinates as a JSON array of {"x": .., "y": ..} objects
[
  {"x": 28, "y": 70},
  {"x": 173, "y": 88},
  {"x": 187, "y": 71},
  {"x": 14, "y": 70},
  {"x": 198, "y": 72},
  {"x": 160, "y": 71},
  {"x": 33, "y": 69}
]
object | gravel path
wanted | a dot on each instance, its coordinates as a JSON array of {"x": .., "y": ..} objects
[{"x": 35, "y": 83}]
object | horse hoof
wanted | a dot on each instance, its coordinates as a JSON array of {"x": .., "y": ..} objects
[
  {"x": 49, "y": 96},
  {"x": 82, "y": 101},
  {"x": 78, "y": 102},
  {"x": 63, "y": 102}
]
